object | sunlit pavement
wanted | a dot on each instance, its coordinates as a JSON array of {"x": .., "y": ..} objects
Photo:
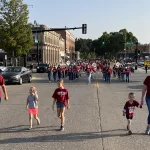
[{"x": 94, "y": 122}]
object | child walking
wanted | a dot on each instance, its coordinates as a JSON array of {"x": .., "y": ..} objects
[
  {"x": 129, "y": 110},
  {"x": 61, "y": 98},
  {"x": 32, "y": 106}
]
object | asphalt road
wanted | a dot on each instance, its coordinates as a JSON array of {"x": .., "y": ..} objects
[{"x": 94, "y": 122}]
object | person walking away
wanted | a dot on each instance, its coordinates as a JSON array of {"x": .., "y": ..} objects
[
  {"x": 89, "y": 73},
  {"x": 54, "y": 73},
  {"x": 109, "y": 72},
  {"x": 32, "y": 106},
  {"x": 2, "y": 84},
  {"x": 146, "y": 67},
  {"x": 61, "y": 99},
  {"x": 70, "y": 73},
  {"x": 49, "y": 73},
  {"x": 146, "y": 90},
  {"x": 31, "y": 67},
  {"x": 104, "y": 73},
  {"x": 123, "y": 74},
  {"x": 127, "y": 73},
  {"x": 59, "y": 71},
  {"x": 128, "y": 110}
]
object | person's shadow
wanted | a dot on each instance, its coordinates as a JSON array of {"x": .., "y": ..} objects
[{"x": 60, "y": 137}]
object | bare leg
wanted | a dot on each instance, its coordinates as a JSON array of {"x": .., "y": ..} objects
[
  {"x": 58, "y": 113},
  {"x": 37, "y": 118},
  {"x": 62, "y": 112},
  {"x": 30, "y": 120}
]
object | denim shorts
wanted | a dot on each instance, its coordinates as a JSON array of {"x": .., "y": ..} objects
[{"x": 60, "y": 105}]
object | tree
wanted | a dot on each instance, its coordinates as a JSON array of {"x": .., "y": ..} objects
[
  {"x": 15, "y": 31},
  {"x": 109, "y": 44}
]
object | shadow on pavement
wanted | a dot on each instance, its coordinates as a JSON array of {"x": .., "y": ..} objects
[
  {"x": 70, "y": 137},
  {"x": 138, "y": 87},
  {"x": 24, "y": 128}
]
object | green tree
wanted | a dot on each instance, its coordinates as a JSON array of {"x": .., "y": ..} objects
[{"x": 15, "y": 31}]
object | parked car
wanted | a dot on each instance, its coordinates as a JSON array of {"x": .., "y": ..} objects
[
  {"x": 140, "y": 63},
  {"x": 17, "y": 75},
  {"x": 42, "y": 68},
  {"x": 2, "y": 68}
]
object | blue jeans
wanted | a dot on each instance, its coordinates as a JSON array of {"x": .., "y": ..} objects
[
  {"x": 127, "y": 77},
  {"x": 54, "y": 76},
  {"x": 122, "y": 76},
  {"x": 49, "y": 76},
  {"x": 108, "y": 78},
  {"x": 70, "y": 74},
  {"x": 148, "y": 106}
]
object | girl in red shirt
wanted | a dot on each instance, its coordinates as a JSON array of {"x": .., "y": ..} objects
[{"x": 61, "y": 98}]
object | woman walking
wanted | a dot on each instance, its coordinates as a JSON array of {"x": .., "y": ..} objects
[{"x": 146, "y": 89}]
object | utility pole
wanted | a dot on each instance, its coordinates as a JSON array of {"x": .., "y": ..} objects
[{"x": 125, "y": 47}]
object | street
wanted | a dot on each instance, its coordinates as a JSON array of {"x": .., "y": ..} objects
[{"x": 94, "y": 121}]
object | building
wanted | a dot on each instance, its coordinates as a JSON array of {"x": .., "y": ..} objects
[
  {"x": 69, "y": 44},
  {"x": 144, "y": 48},
  {"x": 49, "y": 46},
  {"x": 62, "y": 50}
]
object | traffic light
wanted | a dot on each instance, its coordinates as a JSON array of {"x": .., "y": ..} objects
[
  {"x": 84, "y": 28},
  {"x": 139, "y": 53},
  {"x": 103, "y": 43}
]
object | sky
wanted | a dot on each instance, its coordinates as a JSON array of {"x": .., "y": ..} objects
[{"x": 99, "y": 15}]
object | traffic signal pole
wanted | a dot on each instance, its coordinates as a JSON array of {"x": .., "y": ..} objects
[
  {"x": 84, "y": 29},
  {"x": 136, "y": 52}
]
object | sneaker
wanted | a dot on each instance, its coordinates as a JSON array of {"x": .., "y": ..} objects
[
  {"x": 61, "y": 128},
  {"x": 147, "y": 131},
  {"x": 130, "y": 132},
  {"x": 29, "y": 128},
  {"x": 38, "y": 122}
]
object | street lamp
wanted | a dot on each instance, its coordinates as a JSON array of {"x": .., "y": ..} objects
[{"x": 37, "y": 41}]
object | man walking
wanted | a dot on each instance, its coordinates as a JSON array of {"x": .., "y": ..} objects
[
  {"x": 2, "y": 84},
  {"x": 146, "y": 67}
]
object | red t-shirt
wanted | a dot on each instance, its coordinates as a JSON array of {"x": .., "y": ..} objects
[
  {"x": 59, "y": 70},
  {"x": 89, "y": 70},
  {"x": 61, "y": 95},
  {"x": 77, "y": 68},
  {"x": 129, "y": 108},
  {"x": 2, "y": 82},
  {"x": 147, "y": 83}
]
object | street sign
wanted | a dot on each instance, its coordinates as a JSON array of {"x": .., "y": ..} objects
[
  {"x": 36, "y": 41},
  {"x": 130, "y": 43}
]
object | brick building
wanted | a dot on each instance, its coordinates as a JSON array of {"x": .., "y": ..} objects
[
  {"x": 69, "y": 43},
  {"x": 50, "y": 45}
]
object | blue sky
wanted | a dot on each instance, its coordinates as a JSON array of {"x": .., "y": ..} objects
[{"x": 99, "y": 15}]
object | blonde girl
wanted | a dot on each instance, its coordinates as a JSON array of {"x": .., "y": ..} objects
[{"x": 32, "y": 106}]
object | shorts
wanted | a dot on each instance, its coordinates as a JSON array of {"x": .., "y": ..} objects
[
  {"x": 60, "y": 105},
  {"x": 129, "y": 117},
  {"x": 33, "y": 111},
  {"x": 0, "y": 99}
]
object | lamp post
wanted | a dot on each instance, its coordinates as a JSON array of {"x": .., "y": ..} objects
[{"x": 37, "y": 42}]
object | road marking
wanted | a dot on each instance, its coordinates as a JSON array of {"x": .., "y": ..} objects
[
  {"x": 35, "y": 78},
  {"x": 96, "y": 84}
]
